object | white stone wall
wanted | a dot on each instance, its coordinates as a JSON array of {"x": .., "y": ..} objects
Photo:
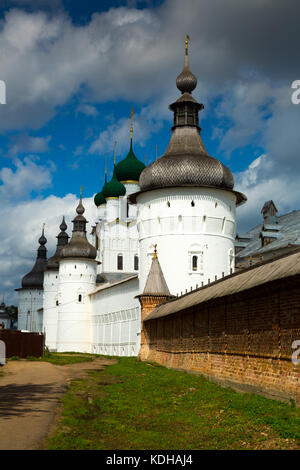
[
  {"x": 30, "y": 301},
  {"x": 117, "y": 237},
  {"x": 116, "y": 320},
  {"x": 77, "y": 277},
  {"x": 187, "y": 222},
  {"x": 50, "y": 313}
]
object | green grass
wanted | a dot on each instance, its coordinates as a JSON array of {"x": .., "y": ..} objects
[
  {"x": 60, "y": 358},
  {"x": 136, "y": 405}
]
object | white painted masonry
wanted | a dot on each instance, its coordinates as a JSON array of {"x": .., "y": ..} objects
[
  {"x": 187, "y": 222},
  {"x": 116, "y": 319},
  {"x": 77, "y": 279},
  {"x": 30, "y": 301}
]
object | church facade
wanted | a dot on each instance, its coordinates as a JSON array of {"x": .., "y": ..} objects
[{"x": 180, "y": 210}]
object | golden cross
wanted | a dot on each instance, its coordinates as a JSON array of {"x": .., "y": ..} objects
[{"x": 155, "y": 251}]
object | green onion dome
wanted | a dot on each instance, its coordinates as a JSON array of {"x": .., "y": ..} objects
[
  {"x": 114, "y": 188},
  {"x": 130, "y": 168},
  {"x": 99, "y": 199}
]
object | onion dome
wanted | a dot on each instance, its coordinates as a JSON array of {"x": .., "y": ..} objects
[
  {"x": 99, "y": 199},
  {"x": 186, "y": 161},
  {"x": 35, "y": 279},
  {"x": 114, "y": 188},
  {"x": 79, "y": 246},
  {"x": 62, "y": 240},
  {"x": 129, "y": 169},
  {"x": 186, "y": 81}
]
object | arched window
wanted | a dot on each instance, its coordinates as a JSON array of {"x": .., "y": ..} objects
[
  {"x": 120, "y": 262},
  {"x": 195, "y": 255},
  {"x": 195, "y": 263},
  {"x": 80, "y": 296},
  {"x": 136, "y": 262}
]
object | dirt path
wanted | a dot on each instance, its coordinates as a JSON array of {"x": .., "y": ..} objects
[{"x": 29, "y": 398}]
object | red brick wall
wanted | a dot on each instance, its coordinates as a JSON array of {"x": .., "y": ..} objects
[{"x": 243, "y": 340}]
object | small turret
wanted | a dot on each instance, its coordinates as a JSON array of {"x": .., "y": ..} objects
[
  {"x": 79, "y": 246},
  {"x": 34, "y": 279},
  {"x": 62, "y": 240}
]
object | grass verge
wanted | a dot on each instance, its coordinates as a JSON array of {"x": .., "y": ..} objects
[
  {"x": 137, "y": 405},
  {"x": 60, "y": 359}
]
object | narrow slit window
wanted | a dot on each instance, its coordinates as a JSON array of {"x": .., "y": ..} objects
[
  {"x": 120, "y": 262},
  {"x": 79, "y": 298},
  {"x": 195, "y": 263},
  {"x": 136, "y": 263}
]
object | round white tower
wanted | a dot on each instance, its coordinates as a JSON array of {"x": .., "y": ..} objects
[
  {"x": 30, "y": 305},
  {"x": 51, "y": 299},
  {"x": 186, "y": 204},
  {"x": 77, "y": 279}
]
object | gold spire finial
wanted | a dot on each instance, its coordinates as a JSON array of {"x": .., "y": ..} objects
[
  {"x": 81, "y": 188},
  {"x": 115, "y": 150},
  {"x": 187, "y": 39},
  {"x": 131, "y": 125},
  {"x": 155, "y": 251}
]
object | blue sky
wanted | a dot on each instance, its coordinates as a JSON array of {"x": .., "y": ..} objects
[{"x": 74, "y": 69}]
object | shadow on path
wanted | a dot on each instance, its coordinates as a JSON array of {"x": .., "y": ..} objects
[{"x": 19, "y": 400}]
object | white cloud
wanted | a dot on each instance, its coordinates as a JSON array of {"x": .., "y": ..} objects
[
  {"x": 87, "y": 109},
  {"x": 27, "y": 177},
  {"x": 24, "y": 143},
  {"x": 260, "y": 184}
]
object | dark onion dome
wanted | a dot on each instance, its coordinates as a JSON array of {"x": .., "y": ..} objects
[
  {"x": 79, "y": 247},
  {"x": 62, "y": 240},
  {"x": 129, "y": 169},
  {"x": 35, "y": 279},
  {"x": 186, "y": 161},
  {"x": 114, "y": 188},
  {"x": 99, "y": 199}
]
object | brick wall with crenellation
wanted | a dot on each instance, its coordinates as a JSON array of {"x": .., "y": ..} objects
[{"x": 243, "y": 340}]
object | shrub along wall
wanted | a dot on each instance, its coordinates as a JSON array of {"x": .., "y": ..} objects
[{"x": 243, "y": 340}]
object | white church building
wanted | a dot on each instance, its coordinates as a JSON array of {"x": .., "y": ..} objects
[{"x": 182, "y": 207}]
